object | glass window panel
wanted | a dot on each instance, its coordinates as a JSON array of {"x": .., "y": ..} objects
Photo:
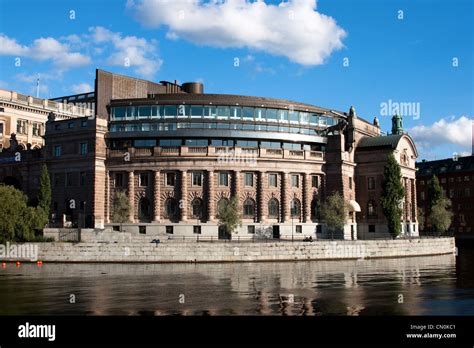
[
  {"x": 144, "y": 111},
  {"x": 235, "y": 112},
  {"x": 196, "y": 142},
  {"x": 130, "y": 112},
  {"x": 322, "y": 121},
  {"x": 304, "y": 117},
  {"x": 261, "y": 127},
  {"x": 144, "y": 143},
  {"x": 272, "y": 114},
  {"x": 196, "y": 111},
  {"x": 248, "y": 113},
  {"x": 119, "y": 113},
  {"x": 223, "y": 126},
  {"x": 170, "y": 110},
  {"x": 183, "y": 110},
  {"x": 248, "y": 127},
  {"x": 294, "y": 116},
  {"x": 223, "y": 111},
  {"x": 210, "y": 111},
  {"x": 145, "y": 127},
  {"x": 197, "y": 125},
  {"x": 170, "y": 142},
  {"x": 313, "y": 119},
  {"x": 284, "y": 129},
  {"x": 270, "y": 144},
  {"x": 272, "y": 128},
  {"x": 260, "y": 114},
  {"x": 283, "y": 115}
]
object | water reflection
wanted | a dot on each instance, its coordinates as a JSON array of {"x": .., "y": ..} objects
[{"x": 426, "y": 285}]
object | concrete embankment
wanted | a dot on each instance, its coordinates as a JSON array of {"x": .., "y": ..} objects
[{"x": 239, "y": 251}]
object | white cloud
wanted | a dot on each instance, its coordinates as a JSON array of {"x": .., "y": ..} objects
[
  {"x": 44, "y": 49},
  {"x": 293, "y": 29},
  {"x": 447, "y": 131},
  {"x": 9, "y": 47},
  {"x": 82, "y": 88},
  {"x": 129, "y": 51}
]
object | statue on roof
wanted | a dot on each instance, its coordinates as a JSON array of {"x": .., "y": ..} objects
[
  {"x": 376, "y": 122},
  {"x": 352, "y": 112},
  {"x": 397, "y": 124}
]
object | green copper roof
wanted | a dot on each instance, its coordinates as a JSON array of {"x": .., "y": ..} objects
[{"x": 381, "y": 141}]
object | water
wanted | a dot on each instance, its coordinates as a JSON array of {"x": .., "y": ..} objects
[{"x": 435, "y": 285}]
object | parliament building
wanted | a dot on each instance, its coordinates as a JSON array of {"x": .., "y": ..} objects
[{"x": 179, "y": 154}]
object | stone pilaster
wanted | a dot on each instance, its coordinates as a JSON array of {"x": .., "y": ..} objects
[
  {"x": 413, "y": 198},
  {"x": 156, "y": 196},
  {"x": 211, "y": 205},
  {"x": 262, "y": 207},
  {"x": 107, "y": 197},
  {"x": 306, "y": 197},
  {"x": 131, "y": 195},
  {"x": 184, "y": 196},
  {"x": 285, "y": 198}
]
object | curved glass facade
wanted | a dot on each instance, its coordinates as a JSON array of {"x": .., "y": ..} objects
[{"x": 224, "y": 113}]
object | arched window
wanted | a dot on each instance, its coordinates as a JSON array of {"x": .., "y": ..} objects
[
  {"x": 171, "y": 208},
  {"x": 196, "y": 208},
  {"x": 273, "y": 210},
  {"x": 223, "y": 202},
  {"x": 371, "y": 209},
  {"x": 314, "y": 209},
  {"x": 144, "y": 209},
  {"x": 249, "y": 208},
  {"x": 295, "y": 207}
]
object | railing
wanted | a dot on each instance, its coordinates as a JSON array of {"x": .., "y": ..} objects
[
  {"x": 170, "y": 149},
  {"x": 296, "y": 153},
  {"x": 197, "y": 149},
  {"x": 277, "y": 152},
  {"x": 69, "y": 235}
]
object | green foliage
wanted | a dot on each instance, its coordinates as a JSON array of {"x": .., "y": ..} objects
[
  {"x": 334, "y": 212},
  {"x": 441, "y": 215},
  {"x": 17, "y": 220},
  {"x": 44, "y": 195},
  {"x": 421, "y": 218},
  {"x": 229, "y": 216},
  {"x": 435, "y": 192},
  {"x": 392, "y": 195},
  {"x": 120, "y": 208}
]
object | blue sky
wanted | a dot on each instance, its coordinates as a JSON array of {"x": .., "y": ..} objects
[{"x": 422, "y": 56}]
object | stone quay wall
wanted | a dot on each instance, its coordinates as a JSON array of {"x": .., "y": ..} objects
[{"x": 176, "y": 251}]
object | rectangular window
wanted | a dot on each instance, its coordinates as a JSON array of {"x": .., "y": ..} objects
[
  {"x": 319, "y": 229},
  {"x": 197, "y": 178},
  {"x": 131, "y": 113},
  {"x": 170, "y": 111},
  {"x": 118, "y": 180},
  {"x": 235, "y": 112},
  {"x": 304, "y": 118},
  {"x": 84, "y": 123},
  {"x": 251, "y": 229},
  {"x": 443, "y": 180},
  {"x": 315, "y": 181},
  {"x": 223, "y": 179},
  {"x": 197, "y": 229},
  {"x": 170, "y": 142},
  {"x": 70, "y": 125},
  {"x": 223, "y": 112},
  {"x": 350, "y": 183},
  {"x": 313, "y": 119},
  {"x": 196, "y": 111},
  {"x": 82, "y": 178},
  {"x": 248, "y": 179},
  {"x": 36, "y": 129},
  {"x": 1, "y": 129},
  {"x": 451, "y": 179},
  {"x": 143, "y": 179},
  {"x": 57, "y": 151},
  {"x": 144, "y": 143},
  {"x": 299, "y": 229},
  {"x": 295, "y": 180},
  {"x": 196, "y": 142},
  {"x": 260, "y": 114},
  {"x": 467, "y": 192},
  {"x": 422, "y": 196},
  {"x": 272, "y": 114},
  {"x": 219, "y": 142},
  {"x": 210, "y": 111},
  {"x": 183, "y": 110},
  {"x": 144, "y": 112},
  {"x": 272, "y": 180},
  {"x": 451, "y": 193},
  {"x": 169, "y": 229},
  {"x": 270, "y": 144},
  {"x": 372, "y": 228},
  {"x": 83, "y": 149},
  {"x": 466, "y": 178},
  {"x": 248, "y": 113},
  {"x": 283, "y": 115},
  {"x": 294, "y": 116},
  {"x": 170, "y": 179},
  {"x": 57, "y": 180},
  {"x": 371, "y": 183},
  {"x": 118, "y": 113}
]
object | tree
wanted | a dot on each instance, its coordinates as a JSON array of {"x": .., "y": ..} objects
[
  {"x": 435, "y": 192},
  {"x": 392, "y": 195},
  {"x": 17, "y": 220},
  {"x": 44, "y": 195},
  {"x": 120, "y": 208},
  {"x": 441, "y": 215},
  {"x": 229, "y": 216},
  {"x": 421, "y": 218},
  {"x": 334, "y": 212}
]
